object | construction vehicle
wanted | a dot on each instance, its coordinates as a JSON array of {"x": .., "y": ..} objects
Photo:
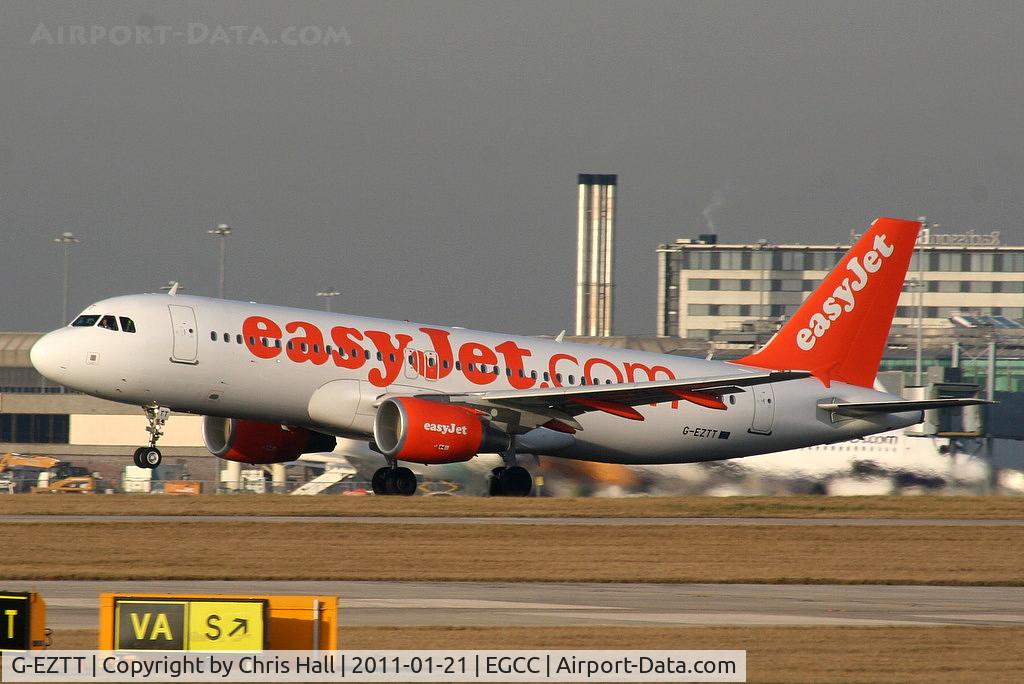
[{"x": 25, "y": 473}]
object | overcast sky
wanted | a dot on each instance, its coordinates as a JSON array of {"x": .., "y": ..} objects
[{"x": 424, "y": 162}]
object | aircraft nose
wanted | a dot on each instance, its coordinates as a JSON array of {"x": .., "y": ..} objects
[{"x": 49, "y": 356}]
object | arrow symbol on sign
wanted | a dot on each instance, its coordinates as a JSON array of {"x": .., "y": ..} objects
[{"x": 240, "y": 624}]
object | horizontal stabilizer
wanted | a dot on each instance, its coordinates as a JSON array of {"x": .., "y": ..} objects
[{"x": 866, "y": 407}]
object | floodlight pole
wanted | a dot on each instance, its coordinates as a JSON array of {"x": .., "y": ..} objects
[
  {"x": 222, "y": 230},
  {"x": 328, "y": 295},
  {"x": 65, "y": 240}
]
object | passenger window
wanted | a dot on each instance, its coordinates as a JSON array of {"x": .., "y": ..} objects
[
  {"x": 213, "y": 336},
  {"x": 327, "y": 350},
  {"x": 305, "y": 347},
  {"x": 127, "y": 324},
  {"x": 458, "y": 365},
  {"x": 366, "y": 354},
  {"x": 252, "y": 341},
  {"x": 547, "y": 376},
  {"x": 444, "y": 363},
  {"x": 277, "y": 343},
  {"x": 558, "y": 377},
  {"x": 238, "y": 339},
  {"x": 227, "y": 336},
  {"x": 290, "y": 345},
  {"x": 572, "y": 380},
  {"x": 533, "y": 374},
  {"x": 85, "y": 321},
  {"x": 108, "y": 322}
]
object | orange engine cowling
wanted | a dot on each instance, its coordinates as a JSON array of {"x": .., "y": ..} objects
[
  {"x": 431, "y": 432},
  {"x": 250, "y": 441}
]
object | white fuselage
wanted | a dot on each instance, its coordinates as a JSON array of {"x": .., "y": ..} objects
[{"x": 217, "y": 357}]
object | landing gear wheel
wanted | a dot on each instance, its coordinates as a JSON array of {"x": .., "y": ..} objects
[
  {"x": 137, "y": 457},
  {"x": 516, "y": 481},
  {"x": 379, "y": 482},
  {"x": 494, "y": 484},
  {"x": 150, "y": 457},
  {"x": 402, "y": 481}
]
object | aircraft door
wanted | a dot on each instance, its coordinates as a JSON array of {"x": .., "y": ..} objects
[
  {"x": 764, "y": 409},
  {"x": 186, "y": 339},
  {"x": 422, "y": 364}
]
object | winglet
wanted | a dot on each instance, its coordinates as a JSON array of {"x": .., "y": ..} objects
[{"x": 840, "y": 330}]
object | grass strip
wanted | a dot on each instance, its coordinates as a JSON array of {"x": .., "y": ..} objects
[{"x": 925, "y": 554}]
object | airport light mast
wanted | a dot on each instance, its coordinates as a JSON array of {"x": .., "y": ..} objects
[
  {"x": 328, "y": 295},
  {"x": 922, "y": 237},
  {"x": 222, "y": 230},
  {"x": 65, "y": 240}
]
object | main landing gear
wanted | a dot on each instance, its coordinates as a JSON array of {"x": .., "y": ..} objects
[
  {"x": 394, "y": 480},
  {"x": 511, "y": 481},
  {"x": 149, "y": 457}
]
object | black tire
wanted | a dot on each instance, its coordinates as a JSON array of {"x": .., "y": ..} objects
[
  {"x": 517, "y": 481},
  {"x": 379, "y": 482},
  {"x": 150, "y": 457},
  {"x": 494, "y": 483},
  {"x": 137, "y": 457},
  {"x": 404, "y": 482}
]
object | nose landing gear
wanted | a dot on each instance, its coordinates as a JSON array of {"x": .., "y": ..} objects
[{"x": 150, "y": 457}]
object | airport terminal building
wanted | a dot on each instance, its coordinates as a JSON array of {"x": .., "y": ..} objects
[{"x": 706, "y": 289}]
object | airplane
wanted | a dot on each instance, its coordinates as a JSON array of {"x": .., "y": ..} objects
[
  {"x": 884, "y": 463},
  {"x": 275, "y": 382}
]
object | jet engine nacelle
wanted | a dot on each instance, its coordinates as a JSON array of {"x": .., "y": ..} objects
[
  {"x": 250, "y": 441},
  {"x": 432, "y": 432}
]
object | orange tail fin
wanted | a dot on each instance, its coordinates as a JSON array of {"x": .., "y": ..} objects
[{"x": 840, "y": 330}]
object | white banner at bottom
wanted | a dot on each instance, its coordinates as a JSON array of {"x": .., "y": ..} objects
[{"x": 376, "y": 666}]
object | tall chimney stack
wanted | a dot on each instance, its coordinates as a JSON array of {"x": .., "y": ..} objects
[{"x": 595, "y": 239}]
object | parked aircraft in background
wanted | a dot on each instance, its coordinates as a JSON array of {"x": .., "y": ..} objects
[{"x": 277, "y": 382}]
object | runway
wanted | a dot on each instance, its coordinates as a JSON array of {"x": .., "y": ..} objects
[
  {"x": 74, "y": 604},
  {"x": 464, "y": 520}
]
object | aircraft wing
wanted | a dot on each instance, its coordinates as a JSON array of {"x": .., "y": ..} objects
[
  {"x": 562, "y": 403},
  {"x": 869, "y": 407}
]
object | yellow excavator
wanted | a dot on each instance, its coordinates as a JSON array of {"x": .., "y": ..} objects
[{"x": 37, "y": 474}]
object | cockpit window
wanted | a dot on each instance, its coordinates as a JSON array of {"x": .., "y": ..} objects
[
  {"x": 85, "y": 321},
  {"x": 108, "y": 322},
  {"x": 127, "y": 324}
]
